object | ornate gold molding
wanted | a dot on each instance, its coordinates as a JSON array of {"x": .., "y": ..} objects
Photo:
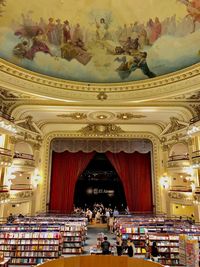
[
  {"x": 125, "y": 135},
  {"x": 23, "y": 195},
  {"x": 129, "y": 116},
  {"x": 74, "y": 116},
  {"x": 24, "y": 74},
  {"x": 4, "y": 196},
  {"x": 101, "y": 130},
  {"x": 180, "y": 198},
  {"x": 19, "y": 79}
]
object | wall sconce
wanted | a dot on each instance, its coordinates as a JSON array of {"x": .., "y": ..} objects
[
  {"x": 164, "y": 182},
  {"x": 36, "y": 178}
]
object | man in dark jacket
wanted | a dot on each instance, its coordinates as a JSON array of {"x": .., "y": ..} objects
[{"x": 105, "y": 245}]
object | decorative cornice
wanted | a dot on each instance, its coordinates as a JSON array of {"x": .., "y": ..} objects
[
  {"x": 16, "y": 78},
  {"x": 74, "y": 116},
  {"x": 129, "y": 116}
]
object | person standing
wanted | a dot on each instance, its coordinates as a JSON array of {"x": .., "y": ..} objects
[
  {"x": 119, "y": 246},
  {"x": 130, "y": 248},
  {"x": 154, "y": 252},
  {"x": 105, "y": 246}
]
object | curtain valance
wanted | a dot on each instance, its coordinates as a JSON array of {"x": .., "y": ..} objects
[{"x": 101, "y": 146}]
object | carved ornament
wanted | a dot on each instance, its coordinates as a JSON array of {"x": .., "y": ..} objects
[
  {"x": 129, "y": 116},
  {"x": 74, "y": 116},
  {"x": 101, "y": 130}
]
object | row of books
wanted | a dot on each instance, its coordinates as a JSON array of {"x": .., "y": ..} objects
[
  {"x": 28, "y": 248},
  {"x": 32, "y": 234},
  {"x": 29, "y": 241}
]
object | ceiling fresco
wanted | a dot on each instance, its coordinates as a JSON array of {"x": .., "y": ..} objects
[{"x": 107, "y": 41}]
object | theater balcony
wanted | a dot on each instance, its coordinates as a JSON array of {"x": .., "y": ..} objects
[
  {"x": 19, "y": 192},
  {"x": 4, "y": 194},
  {"x": 21, "y": 187},
  {"x": 181, "y": 188},
  {"x": 6, "y": 157},
  {"x": 24, "y": 161},
  {"x": 181, "y": 195},
  {"x": 178, "y": 161}
]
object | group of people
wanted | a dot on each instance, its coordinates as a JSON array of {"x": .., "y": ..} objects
[
  {"x": 11, "y": 218},
  {"x": 127, "y": 247},
  {"x": 100, "y": 214}
]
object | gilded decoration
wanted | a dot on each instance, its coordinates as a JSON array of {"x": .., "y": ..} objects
[
  {"x": 101, "y": 130},
  {"x": 4, "y": 196},
  {"x": 180, "y": 198},
  {"x": 74, "y": 116},
  {"x": 129, "y": 116},
  {"x": 24, "y": 195},
  {"x": 174, "y": 125},
  {"x": 28, "y": 124},
  {"x": 102, "y": 96}
]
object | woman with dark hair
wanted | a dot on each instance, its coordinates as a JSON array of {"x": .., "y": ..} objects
[{"x": 154, "y": 252}]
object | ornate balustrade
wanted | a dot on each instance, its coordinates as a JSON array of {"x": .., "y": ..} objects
[{"x": 21, "y": 187}]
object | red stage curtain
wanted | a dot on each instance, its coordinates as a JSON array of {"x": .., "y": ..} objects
[
  {"x": 135, "y": 173},
  {"x": 66, "y": 168}
]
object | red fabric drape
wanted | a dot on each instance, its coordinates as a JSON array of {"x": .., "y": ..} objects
[
  {"x": 135, "y": 172},
  {"x": 66, "y": 168}
]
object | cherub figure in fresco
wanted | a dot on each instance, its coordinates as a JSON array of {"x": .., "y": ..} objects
[
  {"x": 139, "y": 61},
  {"x": 193, "y": 9},
  {"x": 26, "y": 50},
  {"x": 20, "y": 50}
]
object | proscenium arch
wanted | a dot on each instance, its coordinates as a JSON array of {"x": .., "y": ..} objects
[{"x": 46, "y": 166}]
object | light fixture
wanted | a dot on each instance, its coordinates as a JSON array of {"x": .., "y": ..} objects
[{"x": 164, "y": 181}]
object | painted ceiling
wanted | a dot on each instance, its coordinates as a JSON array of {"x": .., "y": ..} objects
[{"x": 107, "y": 41}]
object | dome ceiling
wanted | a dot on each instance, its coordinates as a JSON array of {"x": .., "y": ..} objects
[{"x": 107, "y": 41}]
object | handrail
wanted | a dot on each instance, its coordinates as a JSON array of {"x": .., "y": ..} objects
[
  {"x": 23, "y": 156},
  {"x": 196, "y": 154},
  {"x": 178, "y": 157},
  {"x": 21, "y": 187},
  {"x": 6, "y": 152}
]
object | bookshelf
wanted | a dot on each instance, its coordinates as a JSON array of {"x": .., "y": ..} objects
[
  {"x": 73, "y": 238},
  {"x": 73, "y": 230},
  {"x": 172, "y": 251},
  {"x": 26, "y": 246}
]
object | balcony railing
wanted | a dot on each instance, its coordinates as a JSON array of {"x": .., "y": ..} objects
[
  {"x": 21, "y": 187},
  {"x": 196, "y": 154},
  {"x": 178, "y": 157},
  {"x": 3, "y": 188},
  {"x": 180, "y": 188},
  {"x": 23, "y": 156},
  {"x": 5, "y": 152},
  {"x": 6, "y": 116}
]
